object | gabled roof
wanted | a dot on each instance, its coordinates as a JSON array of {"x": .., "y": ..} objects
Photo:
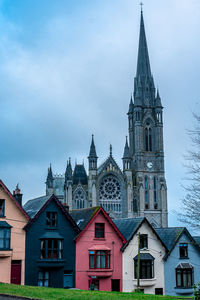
[
  {"x": 97, "y": 210},
  {"x": 129, "y": 227},
  {"x": 171, "y": 235},
  {"x": 83, "y": 216},
  {"x": 34, "y": 205},
  {"x": 106, "y": 163},
  {"x": 59, "y": 204},
  {"x": 197, "y": 239},
  {"x": 6, "y": 190}
]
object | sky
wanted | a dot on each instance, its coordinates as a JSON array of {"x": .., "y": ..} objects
[{"x": 67, "y": 71}]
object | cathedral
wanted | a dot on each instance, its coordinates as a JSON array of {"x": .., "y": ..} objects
[{"x": 140, "y": 188}]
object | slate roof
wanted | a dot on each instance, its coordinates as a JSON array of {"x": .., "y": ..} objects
[
  {"x": 59, "y": 204},
  {"x": 34, "y": 205},
  {"x": 6, "y": 190},
  {"x": 83, "y": 216},
  {"x": 128, "y": 226},
  {"x": 144, "y": 256},
  {"x": 169, "y": 235},
  {"x": 79, "y": 175},
  {"x": 197, "y": 239}
]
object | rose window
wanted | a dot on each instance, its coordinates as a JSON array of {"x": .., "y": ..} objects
[{"x": 110, "y": 189}]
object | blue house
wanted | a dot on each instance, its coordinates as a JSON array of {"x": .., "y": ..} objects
[
  {"x": 182, "y": 261},
  {"x": 50, "y": 246}
]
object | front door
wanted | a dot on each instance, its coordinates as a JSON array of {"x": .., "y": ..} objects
[
  {"x": 16, "y": 272},
  {"x": 116, "y": 285},
  {"x": 68, "y": 279}
]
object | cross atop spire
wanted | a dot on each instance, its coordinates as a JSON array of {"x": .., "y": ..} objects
[{"x": 141, "y": 4}]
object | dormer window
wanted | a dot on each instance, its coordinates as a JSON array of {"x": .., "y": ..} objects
[
  {"x": 99, "y": 230},
  {"x": 51, "y": 219},
  {"x": 183, "y": 250},
  {"x": 144, "y": 241},
  {"x": 2, "y": 208}
]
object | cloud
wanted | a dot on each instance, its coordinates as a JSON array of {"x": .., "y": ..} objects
[{"x": 68, "y": 73}]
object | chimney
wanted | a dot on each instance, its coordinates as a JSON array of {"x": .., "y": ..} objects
[{"x": 18, "y": 195}]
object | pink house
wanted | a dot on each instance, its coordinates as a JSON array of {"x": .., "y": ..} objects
[
  {"x": 13, "y": 218},
  {"x": 98, "y": 254}
]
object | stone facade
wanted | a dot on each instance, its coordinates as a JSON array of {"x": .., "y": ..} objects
[{"x": 140, "y": 189}]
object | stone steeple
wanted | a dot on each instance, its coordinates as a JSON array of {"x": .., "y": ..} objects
[
  {"x": 144, "y": 90},
  {"x": 92, "y": 158},
  {"x": 145, "y": 119},
  {"x": 126, "y": 157},
  {"x": 49, "y": 182}
]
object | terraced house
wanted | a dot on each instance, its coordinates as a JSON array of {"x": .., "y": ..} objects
[
  {"x": 98, "y": 251},
  {"x": 13, "y": 218},
  {"x": 50, "y": 246}
]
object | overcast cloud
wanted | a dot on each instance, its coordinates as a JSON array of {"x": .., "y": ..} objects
[{"x": 67, "y": 70}]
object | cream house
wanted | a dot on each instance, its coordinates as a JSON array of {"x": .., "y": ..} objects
[
  {"x": 152, "y": 251},
  {"x": 13, "y": 218}
]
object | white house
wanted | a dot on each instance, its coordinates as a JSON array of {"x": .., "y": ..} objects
[{"x": 152, "y": 251}]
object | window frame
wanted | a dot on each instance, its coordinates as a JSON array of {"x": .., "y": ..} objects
[
  {"x": 189, "y": 272},
  {"x": 5, "y": 239},
  {"x": 183, "y": 247},
  {"x": 2, "y": 208},
  {"x": 51, "y": 219},
  {"x": 51, "y": 249},
  {"x": 143, "y": 240},
  {"x": 43, "y": 278},
  {"x": 145, "y": 265},
  {"x": 99, "y": 231},
  {"x": 99, "y": 259}
]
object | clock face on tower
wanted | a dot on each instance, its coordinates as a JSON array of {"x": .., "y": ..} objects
[{"x": 149, "y": 164}]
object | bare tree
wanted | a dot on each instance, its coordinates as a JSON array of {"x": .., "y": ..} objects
[{"x": 191, "y": 202}]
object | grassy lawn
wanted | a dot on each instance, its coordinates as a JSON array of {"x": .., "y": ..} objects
[{"x": 61, "y": 294}]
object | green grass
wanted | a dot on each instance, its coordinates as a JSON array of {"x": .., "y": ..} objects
[{"x": 61, "y": 294}]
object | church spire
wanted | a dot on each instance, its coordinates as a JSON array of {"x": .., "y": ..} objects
[
  {"x": 49, "y": 180},
  {"x": 68, "y": 172},
  {"x": 144, "y": 90},
  {"x": 92, "y": 149},
  {"x": 92, "y": 158},
  {"x": 143, "y": 64}
]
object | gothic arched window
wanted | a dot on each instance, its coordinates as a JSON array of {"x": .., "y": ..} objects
[
  {"x": 146, "y": 192},
  {"x": 155, "y": 192},
  {"x": 148, "y": 138},
  {"x": 79, "y": 198},
  {"x": 110, "y": 194}
]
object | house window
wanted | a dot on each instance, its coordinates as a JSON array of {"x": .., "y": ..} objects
[
  {"x": 51, "y": 249},
  {"x": 146, "y": 269},
  {"x": 99, "y": 230},
  {"x": 183, "y": 250},
  {"x": 144, "y": 241},
  {"x": 51, "y": 219},
  {"x": 43, "y": 278},
  {"x": 2, "y": 208},
  {"x": 184, "y": 276},
  {"x": 100, "y": 259},
  {"x": 5, "y": 238}
]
